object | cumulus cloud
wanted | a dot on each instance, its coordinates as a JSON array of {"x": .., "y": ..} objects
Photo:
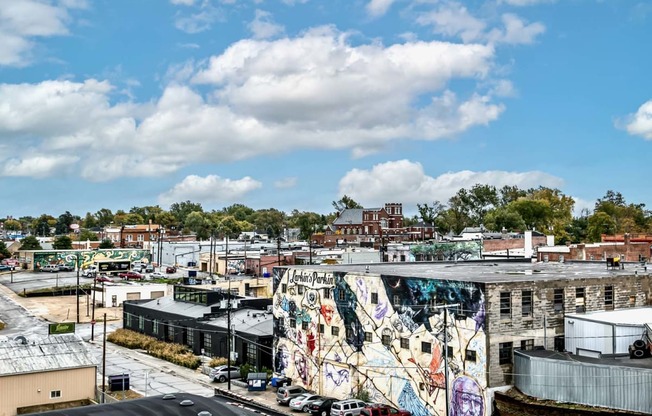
[
  {"x": 377, "y": 8},
  {"x": 183, "y": 2},
  {"x": 37, "y": 166},
  {"x": 263, "y": 26},
  {"x": 259, "y": 97},
  {"x": 199, "y": 21},
  {"x": 207, "y": 189},
  {"x": 639, "y": 123},
  {"x": 453, "y": 19},
  {"x": 525, "y": 2},
  {"x": 406, "y": 181},
  {"x": 286, "y": 183},
  {"x": 24, "y": 21}
]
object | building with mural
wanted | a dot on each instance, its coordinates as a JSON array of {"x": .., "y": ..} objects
[
  {"x": 35, "y": 259},
  {"x": 385, "y": 328}
]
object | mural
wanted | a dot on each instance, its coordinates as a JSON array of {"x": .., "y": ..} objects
[
  {"x": 339, "y": 333},
  {"x": 453, "y": 251},
  {"x": 235, "y": 266},
  {"x": 86, "y": 258}
]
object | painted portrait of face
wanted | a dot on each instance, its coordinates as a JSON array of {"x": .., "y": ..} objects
[
  {"x": 467, "y": 398},
  {"x": 301, "y": 365},
  {"x": 327, "y": 312}
]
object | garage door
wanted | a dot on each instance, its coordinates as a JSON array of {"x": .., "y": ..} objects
[
  {"x": 133, "y": 296},
  {"x": 157, "y": 294}
]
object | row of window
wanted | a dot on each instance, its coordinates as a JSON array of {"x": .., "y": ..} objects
[
  {"x": 527, "y": 301},
  {"x": 396, "y": 300},
  {"x": 505, "y": 350}
]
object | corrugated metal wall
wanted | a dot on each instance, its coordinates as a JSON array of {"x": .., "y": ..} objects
[
  {"x": 600, "y": 336},
  {"x": 590, "y": 384}
]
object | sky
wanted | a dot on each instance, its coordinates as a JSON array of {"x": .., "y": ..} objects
[{"x": 292, "y": 104}]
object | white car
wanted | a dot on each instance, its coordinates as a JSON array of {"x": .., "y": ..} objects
[
  {"x": 156, "y": 275},
  {"x": 304, "y": 401},
  {"x": 221, "y": 373}
]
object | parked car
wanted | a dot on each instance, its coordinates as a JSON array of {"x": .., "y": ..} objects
[
  {"x": 221, "y": 373},
  {"x": 66, "y": 268},
  {"x": 350, "y": 407},
  {"x": 149, "y": 268},
  {"x": 90, "y": 272},
  {"x": 101, "y": 279},
  {"x": 157, "y": 275},
  {"x": 322, "y": 407},
  {"x": 379, "y": 409},
  {"x": 13, "y": 263},
  {"x": 302, "y": 401},
  {"x": 50, "y": 268},
  {"x": 285, "y": 394},
  {"x": 131, "y": 275},
  {"x": 170, "y": 269},
  {"x": 5, "y": 267}
]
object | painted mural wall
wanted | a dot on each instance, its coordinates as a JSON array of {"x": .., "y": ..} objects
[
  {"x": 86, "y": 258},
  {"x": 338, "y": 333}
]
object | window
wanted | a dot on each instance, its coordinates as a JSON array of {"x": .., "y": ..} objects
[
  {"x": 349, "y": 332},
  {"x": 304, "y": 325},
  {"x": 190, "y": 337},
  {"x": 426, "y": 347},
  {"x": 505, "y": 353},
  {"x": 293, "y": 323},
  {"x": 252, "y": 353},
  {"x": 155, "y": 327},
  {"x": 284, "y": 288},
  {"x": 141, "y": 323},
  {"x": 527, "y": 344},
  {"x": 405, "y": 343},
  {"x": 526, "y": 303},
  {"x": 367, "y": 337},
  {"x": 281, "y": 322},
  {"x": 340, "y": 295},
  {"x": 374, "y": 298},
  {"x": 632, "y": 301},
  {"x": 470, "y": 356},
  {"x": 327, "y": 293},
  {"x": 386, "y": 337},
  {"x": 609, "y": 298},
  {"x": 450, "y": 351},
  {"x": 300, "y": 290},
  {"x": 396, "y": 300},
  {"x": 321, "y": 328},
  {"x": 558, "y": 300},
  {"x": 128, "y": 319},
  {"x": 505, "y": 305},
  {"x": 208, "y": 345},
  {"x": 55, "y": 394},
  {"x": 580, "y": 302},
  {"x": 171, "y": 332},
  {"x": 335, "y": 330}
]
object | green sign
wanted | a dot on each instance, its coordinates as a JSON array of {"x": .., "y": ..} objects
[{"x": 61, "y": 328}]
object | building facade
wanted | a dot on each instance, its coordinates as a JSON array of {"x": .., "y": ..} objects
[{"x": 404, "y": 333}]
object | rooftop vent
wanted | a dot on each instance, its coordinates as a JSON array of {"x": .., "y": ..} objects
[
  {"x": 169, "y": 397},
  {"x": 186, "y": 402},
  {"x": 204, "y": 413},
  {"x": 22, "y": 339}
]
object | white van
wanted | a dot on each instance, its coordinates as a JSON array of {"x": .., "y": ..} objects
[{"x": 50, "y": 268}]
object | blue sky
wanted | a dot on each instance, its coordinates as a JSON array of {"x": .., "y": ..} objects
[{"x": 291, "y": 104}]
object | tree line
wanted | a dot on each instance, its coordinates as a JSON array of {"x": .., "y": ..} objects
[{"x": 506, "y": 209}]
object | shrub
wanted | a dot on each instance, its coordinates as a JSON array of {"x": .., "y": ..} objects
[
  {"x": 217, "y": 361},
  {"x": 246, "y": 369},
  {"x": 174, "y": 353}
]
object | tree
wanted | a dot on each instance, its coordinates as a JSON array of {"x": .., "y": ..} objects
[
  {"x": 63, "y": 223},
  {"x": 345, "y": 202},
  {"x": 307, "y": 222},
  {"x": 87, "y": 235},
  {"x": 200, "y": 224},
  {"x": 181, "y": 210},
  {"x": 12, "y": 225},
  {"x": 434, "y": 214},
  {"x": 577, "y": 230},
  {"x": 104, "y": 217},
  {"x": 535, "y": 213},
  {"x": 43, "y": 224},
  {"x": 598, "y": 224},
  {"x": 62, "y": 242},
  {"x": 147, "y": 213},
  {"x": 89, "y": 221},
  {"x": 627, "y": 217},
  {"x": 30, "y": 243},
  {"x": 166, "y": 219},
  {"x": 229, "y": 226},
  {"x": 106, "y": 244},
  {"x": 4, "y": 251},
  {"x": 240, "y": 212},
  {"x": 271, "y": 221},
  {"x": 504, "y": 218},
  {"x": 509, "y": 193}
]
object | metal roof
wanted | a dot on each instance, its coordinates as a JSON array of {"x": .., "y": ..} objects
[
  {"x": 245, "y": 322},
  {"x": 169, "y": 305},
  {"x": 487, "y": 271},
  {"x": 632, "y": 316},
  {"x": 349, "y": 216},
  {"x": 55, "y": 352}
]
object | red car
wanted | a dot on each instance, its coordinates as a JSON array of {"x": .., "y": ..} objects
[
  {"x": 101, "y": 279},
  {"x": 131, "y": 275},
  {"x": 379, "y": 409}
]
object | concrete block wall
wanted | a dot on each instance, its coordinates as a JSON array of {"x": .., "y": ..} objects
[{"x": 629, "y": 291}]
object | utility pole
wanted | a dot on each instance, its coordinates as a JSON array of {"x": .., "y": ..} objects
[
  {"x": 93, "y": 316},
  {"x": 104, "y": 361},
  {"x": 446, "y": 382},
  {"x": 77, "y": 288},
  {"x": 278, "y": 249},
  {"x": 228, "y": 317}
]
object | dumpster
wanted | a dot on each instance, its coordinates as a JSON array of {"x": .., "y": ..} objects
[
  {"x": 257, "y": 381},
  {"x": 119, "y": 382},
  {"x": 192, "y": 273}
]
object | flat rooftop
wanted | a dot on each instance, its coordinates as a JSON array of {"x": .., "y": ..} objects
[{"x": 488, "y": 271}]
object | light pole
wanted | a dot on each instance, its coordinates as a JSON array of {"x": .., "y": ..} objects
[
  {"x": 228, "y": 325},
  {"x": 445, "y": 308},
  {"x": 77, "y": 288}
]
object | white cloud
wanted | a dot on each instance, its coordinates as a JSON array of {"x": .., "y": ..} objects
[
  {"x": 406, "y": 181},
  {"x": 199, "y": 21},
  {"x": 453, "y": 19},
  {"x": 640, "y": 123},
  {"x": 211, "y": 188},
  {"x": 525, "y": 2},
  {"x": 286, "y": 183},
  {"x": 293, "y": 2},
  {"x": 183, "y": 2},
  {"x": 37, "y": 166},
  {"x": 582, "y": 204},
  {"x": 23, "y": 21},
  {"x": 377, "y": 8},
  {"x": 263, "y": 26},
  {"x": 315, "y": 91}
]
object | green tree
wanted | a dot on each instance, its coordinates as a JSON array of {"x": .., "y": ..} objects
[
  {"x": 104, "y": 217},
  {"x": 240, "y": 212},
  {"x": 42, "y": 225},
  {"x": 89, "y": 221},
  {"x": 62, "y": 242},
  {"x": 627, "y": 217},
  {"x": 271, "y": 221},
  {"x": 200, "y": 224},
  {"x": 12, "y": 225},
  {"x": 30, "y": 243},
  {"x": 4, "y": 251},
  {"x": 346, "y": 202},
  {"x": 166, "y": 219},
  {"x": 106, "y": 244},
  {"x": 147, "y": 213},
  {"x": 510, "y": 193},
  {"x": 181, "y": 210},
  {"x": 434, "y": 214},
  {"x": 229, "y": 226},
  {"x": 87, "y": 235},
  {"x": 307, "y": 222},
  {"x": 63, "y": 223},
  {"x": 598, "y": 224},
  {"x": 504, "y": 218},
  {"x": 577, "y": 230},
  {"x": 536, "y": 213}
]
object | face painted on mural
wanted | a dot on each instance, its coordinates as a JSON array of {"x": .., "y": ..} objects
[
  {"x": 327, "y": 312},
  {"x": 467, "y": 398},
  {"x": 301, "y": 365}
]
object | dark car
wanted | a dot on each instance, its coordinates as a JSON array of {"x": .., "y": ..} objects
[
  {"x": 322, "y": 407},
  {"x": 171, "y": 269},
  {"x": 287, "y": 393}
]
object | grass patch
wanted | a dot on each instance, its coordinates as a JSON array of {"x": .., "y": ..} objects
[
  {"x": 217, "y": 361},
  {"x": 174, "y": 353}
]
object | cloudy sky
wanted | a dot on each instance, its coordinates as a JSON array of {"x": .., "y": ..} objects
[{"x": 292, "y": 104}]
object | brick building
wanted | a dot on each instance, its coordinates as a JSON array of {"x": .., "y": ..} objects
[
  {"x": 626, "y": 250},
  {"x": 382, "y": 328}
]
